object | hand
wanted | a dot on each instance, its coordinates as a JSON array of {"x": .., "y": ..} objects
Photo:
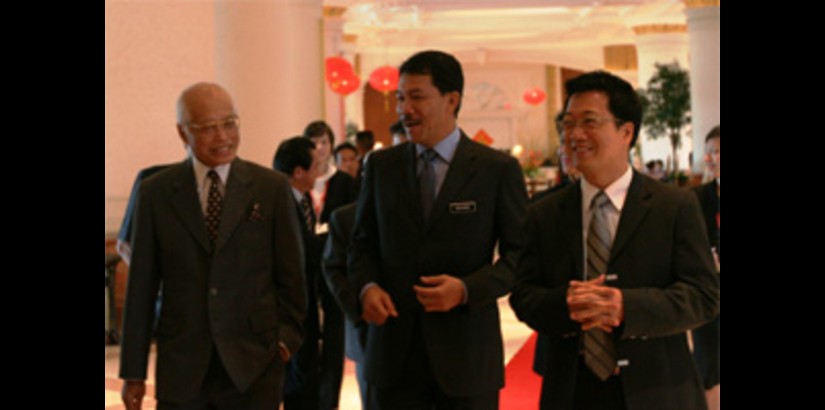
[
  {"x": 593, "y": 304},
  {"x": 440, "y": 293},
  {"x": 377, "y": 305},
  {"x": 132, "y": 394},
  {"x": 283, "y": 351}
]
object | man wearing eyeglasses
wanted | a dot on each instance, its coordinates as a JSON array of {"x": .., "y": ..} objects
[
  {"x": 634, "y": 274},
  {"x": 219, "y": 235}
]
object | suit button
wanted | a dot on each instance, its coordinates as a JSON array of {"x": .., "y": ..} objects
[{"x": 213, "y": 291}]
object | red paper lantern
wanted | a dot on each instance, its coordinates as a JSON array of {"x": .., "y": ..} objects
[
  {"x": 346, "y": 85},
  {"x": 337, "y": 68},
  {"x": 384, "y": 78},
  {"x": 534, "y": 96}
]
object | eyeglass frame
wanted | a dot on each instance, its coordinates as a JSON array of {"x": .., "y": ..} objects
[
  {"x": 579, "y": 123},
  {"x": 211, "y": 128}
]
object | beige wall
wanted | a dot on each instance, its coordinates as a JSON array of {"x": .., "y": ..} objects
[{"x": 154, "y": 49}]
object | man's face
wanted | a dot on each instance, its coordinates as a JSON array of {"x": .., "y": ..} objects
[
  {"x": 212, "y": 128},
  {"x": 598, "y": 146},
  {"x": 347, "y": 161},
  {"x": 304, "y": 179},
  {"x": 712, "y": 158},
  {"x": 323, "y": 148},
  {"x": 426, "y": 113},
  {"x": 566, "y": 159}
]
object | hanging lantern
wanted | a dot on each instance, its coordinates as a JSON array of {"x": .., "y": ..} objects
[
  {"x": 534, "y": 96},
  {"x": 337, "y": 68},
  {"x": 384, "y": 79},
  {"x": 346, "y": 85}
]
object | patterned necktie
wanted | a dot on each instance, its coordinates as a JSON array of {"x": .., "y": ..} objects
[
  {"x": 426, "y": 181},
  {"x": 599, "y": 349},
  {"x": 309, "y": 217},
  {"x": 213, "y": 205}
]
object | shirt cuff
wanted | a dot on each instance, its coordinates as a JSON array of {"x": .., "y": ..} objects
[
  {"x": 364, "y": 290},
  {"x": 466, "y": 297}
]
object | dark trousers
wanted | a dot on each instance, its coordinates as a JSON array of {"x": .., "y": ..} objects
[
  {"x": 303, "y": 369},
  {"x": 332, "y": 350},
  {"x": 591, "y": 393},
  {"x": 418, "y": 389},
  {"x": 219, "y": 393}
]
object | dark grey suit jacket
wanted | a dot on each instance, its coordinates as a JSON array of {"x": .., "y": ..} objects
[
  {"x": 336, "y": 257},
  {"x": 666, "y": 274},
  {"x": 243, "y": 297},
  {"x": 481, "y": 203}
]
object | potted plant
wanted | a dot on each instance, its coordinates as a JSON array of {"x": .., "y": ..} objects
[{"x": 666, "y": 105}]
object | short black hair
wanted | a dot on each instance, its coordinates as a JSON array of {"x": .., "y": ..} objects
[
  {"x": 319, "y": 128},
  {"x": 291, "y": 153},
  {"x": 444, "y": 69},
  {"x": 714, "y": 133},
  {"x": 365, "y": 139},
  {"x": 623, "y": 101},
  {"x": 397, "y": 127},
  {"x": 343, "y": 146}
]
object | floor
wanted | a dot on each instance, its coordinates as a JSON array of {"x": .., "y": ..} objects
[{"x": 515, "y": 334}]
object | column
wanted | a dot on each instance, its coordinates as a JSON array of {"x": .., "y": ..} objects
[
  {"x": 269, "y": 56},
  {"x": 703, "y": 20}
]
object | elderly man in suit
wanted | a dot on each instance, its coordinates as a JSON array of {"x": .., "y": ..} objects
[
  {"x": 429, "y": 217},
  {"x": 219, "y": 235},
  {"x": 634, "y": 274}
]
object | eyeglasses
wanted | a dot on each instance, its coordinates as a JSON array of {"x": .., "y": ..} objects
[
  {"x": 588, "y": 123},
  {"x": 230, "y": 124}
]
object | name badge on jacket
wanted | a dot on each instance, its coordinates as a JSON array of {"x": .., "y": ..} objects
[{"x": 466, "y": 207}]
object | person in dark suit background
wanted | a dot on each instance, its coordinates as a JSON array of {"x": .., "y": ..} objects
[
  {"x": 299, "y": 160},
  {"x": 346, "y": 159},
  {"x": 429, "y": 216},
  {"x": 333, "y": 188},
  {"x": 616, "y": 340},
  {"x": 219, "y": 235},
  {"x": 336, "y": 257},
  {"x": 707, "y": 338}
]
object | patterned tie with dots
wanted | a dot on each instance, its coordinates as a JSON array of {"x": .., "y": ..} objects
[
  {"x": 309, "y": 216},
  {"x": 213, "y": 205},
  {"x": 599, "y": 349}
]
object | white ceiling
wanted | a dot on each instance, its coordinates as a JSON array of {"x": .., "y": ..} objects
[{"x": 564, "y": 32}]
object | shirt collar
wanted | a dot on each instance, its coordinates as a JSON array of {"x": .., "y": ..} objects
[
  {"x": 616, "y": 191},
  {"x": 201, "y": 170},
  {"x": 446, "y": 148},
  {"x": 299, "y": 196}
]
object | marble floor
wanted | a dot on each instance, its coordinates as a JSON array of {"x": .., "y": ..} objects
[{"x": 515, "y": 334}]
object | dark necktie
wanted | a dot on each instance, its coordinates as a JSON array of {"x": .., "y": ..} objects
[
  {"x": 426, "y": 181},
  {"x": 309, "y": 217},
  {"x": 213, "y": 205},
  {"x": 599, "y": 349}
]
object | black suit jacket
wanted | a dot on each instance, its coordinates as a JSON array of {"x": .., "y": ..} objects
[
  {"x": 709, "y": 202},
  {"x": 666, "y": 275},
  {"x": 244, "y": 297},
  {"x": 336, "y": 257},
  {"x": 481, "y": 203},
  {"x": 341, "y": 190}
]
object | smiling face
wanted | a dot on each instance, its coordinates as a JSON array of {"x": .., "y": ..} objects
[
  {"x": 428, "y": 115},
  {"x": 598, "y": 143},
  {"x": 206, "y": 126}
]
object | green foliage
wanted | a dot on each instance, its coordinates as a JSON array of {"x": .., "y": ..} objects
[{"x": 666, "y": 104}]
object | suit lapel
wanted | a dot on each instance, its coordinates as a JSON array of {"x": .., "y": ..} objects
[
  {"x": 461, "y": 169},
  {"x": 635, "y": 208},
  {"x": 235, "y": 201},
  {"x": 185, "y": 202},
  {"x": 571, "y": 227}
]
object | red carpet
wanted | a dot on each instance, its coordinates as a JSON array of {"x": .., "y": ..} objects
[{"x": 522, "y": 386}]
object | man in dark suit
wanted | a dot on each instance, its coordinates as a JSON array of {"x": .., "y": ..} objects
[
  {"x": 429, "y": 217},
  {"x": 635, "y": 274},
  {"x": 336, "y": 256},
  {"x": 219, "y": 235},
  {"x": 298, "y": 159}
]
